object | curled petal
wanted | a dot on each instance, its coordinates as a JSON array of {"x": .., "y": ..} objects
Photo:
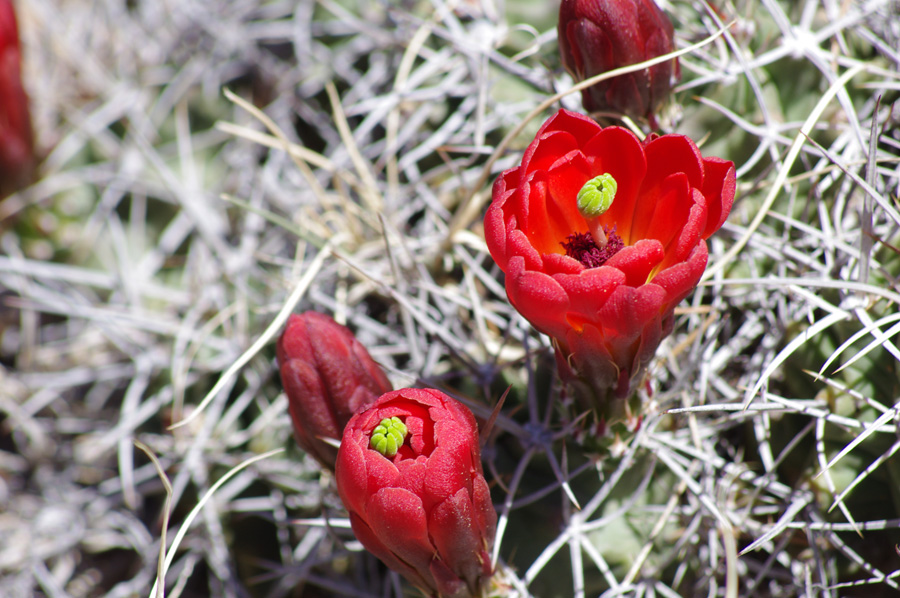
[
  {"x": 555, "y": 263},
  {"x": 638, "y": 261},
  {"x": 495, "y": 233},
  {"x": 519, "y": 245},
  {"x": 581, "y": 127},
  {"x": 679, "y": 280},
  {"x": 691, "y": 232},
  {"x": 547, "y": 149},
  {"x": 719, "y": 187},
  {"x": 351, "y": 463}
]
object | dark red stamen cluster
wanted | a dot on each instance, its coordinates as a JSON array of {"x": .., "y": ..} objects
[{"x": 582, "y": 247}]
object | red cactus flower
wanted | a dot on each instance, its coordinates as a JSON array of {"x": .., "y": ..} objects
[
  {"x": 409, "y": 472},
  {"x": 596, "y": 36},
  {"x": 16, "y": 146},
  {"x": 600, "y": 236},
  {"x": 327, "y": 376}
]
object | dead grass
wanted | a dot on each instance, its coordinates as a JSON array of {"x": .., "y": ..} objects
[{"x": 212, "y": 165}]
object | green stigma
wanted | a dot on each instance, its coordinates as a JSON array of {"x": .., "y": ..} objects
[
  {"x": 597, "y": 195},
  {"x": 388, "y": 436}
]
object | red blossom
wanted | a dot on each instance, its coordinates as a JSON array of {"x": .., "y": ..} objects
[
  {"x": 426, "y": 511},
  {"x": 596, "y": 36},
  {"x": 328, "y": 376},
  {"x": 16, "y": 145},
  {"x": 606, "y": 321}
]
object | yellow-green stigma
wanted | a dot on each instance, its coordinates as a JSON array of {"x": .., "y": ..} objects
[
  {"x": 594, "y": 199},
  {"x": 597, "y": 195},
  {"x": 388, "y": 436}
]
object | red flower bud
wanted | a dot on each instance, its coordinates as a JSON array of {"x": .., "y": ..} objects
[
  {"x": 16, "y": 146},
  {"x": 425, "y": 511},
  {"x": 327, "y": 376},
  {"x": 596, "y": 36},
  {"x": 607, "y": 308}
]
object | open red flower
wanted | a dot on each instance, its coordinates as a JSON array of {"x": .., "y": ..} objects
[
  {"x": 409, "y": 472},
  {"x": 328, "y": 376},
  {"x": 606, "y": 308},
  {"x": 596, "y": 36},
  {"x": 16, "y": 145}
]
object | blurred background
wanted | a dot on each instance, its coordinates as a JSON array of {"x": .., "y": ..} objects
[{"x": 204, "y": 167}]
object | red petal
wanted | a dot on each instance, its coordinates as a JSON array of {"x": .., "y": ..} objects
[
  {"x": 618, "y": 152},
  {"x": 397, "y": 517},
  {"x": 546, "y": 148},
  {"x": 505, "y": 184},
  {"x": 629, "y": 309},
  {"x": 679, "y": 280},
  {"x": 465, "y": 420},
  {"x": 412, "y": 475},
  {"x": 564, "y": 180},
  {"x": 373, "y": 544},
  {"x": 682, "y": 245},
  {"x": 538, "y": 297},
  {"x": 381, "y": 471},
  {"x": 519, "y": 245},
  {"x": 371, "y": 377},
  {"x": 294, "y": 341},
  {"x": 495, "y": 231},
  {"x": 595, "y": 49},
  {"x": 669, "y": 154},
  {"x": 718, "y": 187},
  {"x": 580, "y": 126},
  {"x": 485, "y": 515},
  {"x": 350, "y": 473},
  {"x": 638, "y": 261},
  {"x": 556, "y": 263},
  {"x": 447, "y": 583},
  {"x": 533, "y": 214},
  {"x": 308, "y": 401},
  {"x": 450, "y": 467},
  {"x": 457, "y": 538},
  {"x": 661, "y": 216},
  {"x": 422, "y": 397},
  {"x": 587, "y": 292},
  {"x": 630, "y": 92}
]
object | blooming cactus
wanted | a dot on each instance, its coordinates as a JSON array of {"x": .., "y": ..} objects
[
  {"x": 409, "y": 473},
  {"x": 596, "y": 36},
  {"x": 327, "y": 376},
  {"x": 606, "y": 304},
  {"x": 16, "y": 148}
]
